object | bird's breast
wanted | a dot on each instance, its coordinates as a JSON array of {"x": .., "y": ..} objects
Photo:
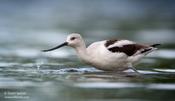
[{"x": 103, "y": 59}]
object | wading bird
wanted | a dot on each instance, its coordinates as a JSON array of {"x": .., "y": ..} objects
[{"x": 108, "y": 55}]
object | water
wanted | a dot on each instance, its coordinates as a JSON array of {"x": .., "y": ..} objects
[
  {"x": 36, "y": 76},
  {"x": 27, "y": 74}
]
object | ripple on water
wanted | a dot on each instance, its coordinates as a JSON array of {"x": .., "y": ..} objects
[
  {"x": 71, "y": 70},
  {"x": 142, "y": 71},
  {"x": 165, "y": 70},
  {"x": 5, "y": 64},
  {"x": 119, "y": 85}
]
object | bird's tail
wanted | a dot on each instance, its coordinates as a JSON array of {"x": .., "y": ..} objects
[
  {"x": 155, "y": 45},
  {"x": 150, "y": 49}
]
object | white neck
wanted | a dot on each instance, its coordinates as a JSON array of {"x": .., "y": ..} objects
[{"x": 82, "y": 53}]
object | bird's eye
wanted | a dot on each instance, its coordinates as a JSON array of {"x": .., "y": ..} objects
[{"x": 72, "y": 38}]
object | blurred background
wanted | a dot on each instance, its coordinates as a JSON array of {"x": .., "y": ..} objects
[
  {"x": 42, "y": 22},
  {"x": 28, "y": 26}
]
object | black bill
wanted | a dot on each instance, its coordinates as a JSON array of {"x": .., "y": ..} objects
[{"x": 63, "y": 44}]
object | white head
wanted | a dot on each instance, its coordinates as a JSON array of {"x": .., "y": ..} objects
[{"x": 74, "y": 40}]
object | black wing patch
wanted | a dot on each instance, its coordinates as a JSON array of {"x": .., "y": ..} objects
[
  {"x": 129, "y": 49},
  {"x": 110, "y": 42}
]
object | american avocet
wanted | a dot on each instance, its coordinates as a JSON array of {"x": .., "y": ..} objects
[{"x": 111, "y": 55}]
